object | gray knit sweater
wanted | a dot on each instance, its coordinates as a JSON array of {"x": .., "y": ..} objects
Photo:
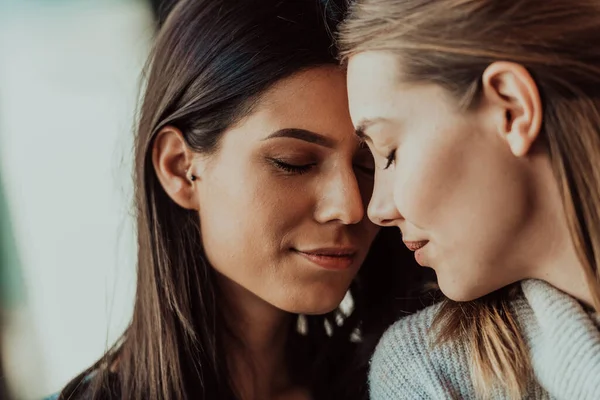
[{"x": 563, "y": 341}]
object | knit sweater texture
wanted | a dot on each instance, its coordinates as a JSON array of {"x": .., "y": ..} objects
[{"x": 563, "y": 340}]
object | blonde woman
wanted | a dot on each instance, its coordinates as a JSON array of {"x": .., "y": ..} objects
[{"x": 484, "y": 119}]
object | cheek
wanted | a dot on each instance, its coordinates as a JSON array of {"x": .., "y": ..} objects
[
  {"x": 246, "y": 214},
  {"x": 467, "y": 192},
  {"x": 448, "y": 178},
  {"x": 427, "y": 172}
]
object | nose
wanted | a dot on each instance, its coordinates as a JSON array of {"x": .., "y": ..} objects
[
  {"x": 340, "y": 199},
  {"x": 382, "y": 209}
]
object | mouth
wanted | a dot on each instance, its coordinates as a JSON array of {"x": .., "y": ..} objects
[
  {"x": 332, "y": 258},
  {"x": 415, "y": 245}
]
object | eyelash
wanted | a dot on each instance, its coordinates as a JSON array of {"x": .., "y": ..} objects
[
  {"x": 303, "y": 169},
  {"x": 390, "y": 159},
  {"x": 291, "y": 168}
]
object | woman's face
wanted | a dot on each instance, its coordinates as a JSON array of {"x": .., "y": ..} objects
[
  {"x": 282, "y": 202},
  {"x": 445, "y": 177}
]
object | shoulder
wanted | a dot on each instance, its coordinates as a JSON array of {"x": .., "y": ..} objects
[
  {"x": 407, "y": 364},
  {"x": 406, "y": 338},
  {"x": 563, "y": 340},
  {"x": 544, "y": 311}
]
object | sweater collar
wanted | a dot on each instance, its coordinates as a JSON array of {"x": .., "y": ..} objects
[{"x": 563, "y": 341}]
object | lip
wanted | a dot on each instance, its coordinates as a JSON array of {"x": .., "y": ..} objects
[
  {"x": 332, "y": 258},
  {"x": 415, "y": 245}
]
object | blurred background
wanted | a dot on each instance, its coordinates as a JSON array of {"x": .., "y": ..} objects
[{"x": 70, "y": 77}]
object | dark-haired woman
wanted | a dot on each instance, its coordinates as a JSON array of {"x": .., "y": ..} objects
[{"x": 250, "y": 193}]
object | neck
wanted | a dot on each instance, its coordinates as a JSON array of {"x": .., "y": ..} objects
[
  {"x": 553, "y": 248},
  {"x": 566, "y": 272},
  {"x": 257, "y": 347}
]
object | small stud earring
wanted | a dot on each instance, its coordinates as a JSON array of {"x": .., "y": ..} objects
[{"x": 192, "y": 177}]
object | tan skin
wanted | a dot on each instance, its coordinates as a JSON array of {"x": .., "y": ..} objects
[
  {"x": 475, "y": 186},
  {"x": 259, "y": 218}
]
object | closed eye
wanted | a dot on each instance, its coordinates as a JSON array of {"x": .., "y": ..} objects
[
  {"x": 390, "y": 158},
  {"x": 292, "y": 168}
]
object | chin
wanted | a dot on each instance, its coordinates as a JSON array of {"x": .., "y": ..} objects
[
  {"x": 459, "y": 297},
  {"x": 316, "y": 304},
  {"x": 319, "y": 310},
  {"x": 461, "y": 292}
]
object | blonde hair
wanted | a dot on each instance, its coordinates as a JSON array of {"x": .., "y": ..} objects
[{"x": 451, "y": 43}]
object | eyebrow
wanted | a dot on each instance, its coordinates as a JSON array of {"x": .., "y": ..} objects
[
  {"x": 303, "y": 134},
  {"x": 362, "y": 126}
]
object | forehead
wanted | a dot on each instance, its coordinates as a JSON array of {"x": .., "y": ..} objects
[
  {"x": 373, "y": 83},
  {"x": 315, "y": 99}
]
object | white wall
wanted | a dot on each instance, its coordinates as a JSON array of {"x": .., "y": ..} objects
[{"x": 69, "y": 78}]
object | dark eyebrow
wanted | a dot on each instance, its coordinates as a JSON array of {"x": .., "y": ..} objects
[
  {"x": 362, "y": 126},
  {"x": 303, "y": 134}
]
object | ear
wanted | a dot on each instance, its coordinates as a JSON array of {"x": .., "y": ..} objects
[
  {"x": 511, "y": 91},
  {"x": 173, "y": 164}
]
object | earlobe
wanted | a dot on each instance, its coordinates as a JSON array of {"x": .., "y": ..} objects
[
  {"x": 513, "y": 93},
  {"x": 173, "y": 164}
]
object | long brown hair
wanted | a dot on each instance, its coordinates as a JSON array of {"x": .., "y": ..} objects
[
  {"x": 211, "y": 62},
  {"x": 451, "y": 43}
]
